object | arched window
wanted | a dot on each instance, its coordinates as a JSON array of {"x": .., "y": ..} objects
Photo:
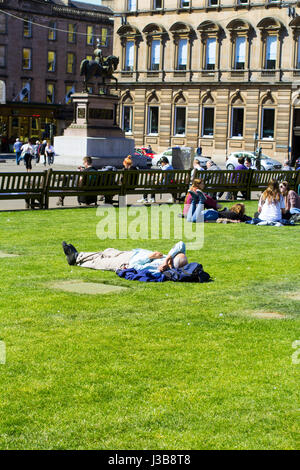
[
  {"x": 237, "y": 116},
  {"x": 210, "y": 38},
  {"x": 207, "y": 115},
  {"x": 182, "y": 36},
  {"x": 295, "y": 25},
  {"x": 153, "y": 114},
  {"x": 155, "y": 37},
  {"x": 127, "y": 113},
  {"x": 267, "y": 120},
  {"x": 239, "y": 37},
  {"x": 179, "y": 115},
  {"x": 130, "y": 37},
  {"x": 270, "y": 29}
]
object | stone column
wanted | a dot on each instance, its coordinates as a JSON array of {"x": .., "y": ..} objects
[
  {"x": 166, "y": 111},
  {"x": 251, "y": 118},
  {"x": 282, "y": 124},
  {"x": 140, "y": 123},
  {"x": 221, "y": 122}
]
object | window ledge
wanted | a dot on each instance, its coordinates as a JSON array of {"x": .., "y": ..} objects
[{"x": 268, "y": 73}]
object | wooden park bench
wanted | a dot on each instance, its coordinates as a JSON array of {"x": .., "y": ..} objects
[
  {"x": 172, "y": 182},
  {"x": 231, "y": 181},
  {"x": 261, "y": 179},
  {"x": 27, "y": 186},
  {"x": 80, "y": 183},
  {"x": 41, "y": 186}
]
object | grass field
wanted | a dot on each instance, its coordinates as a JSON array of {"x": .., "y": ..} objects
[{"x": 160, "y": 366}]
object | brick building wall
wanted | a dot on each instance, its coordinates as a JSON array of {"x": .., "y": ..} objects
[{"x": 13, "y": 41}]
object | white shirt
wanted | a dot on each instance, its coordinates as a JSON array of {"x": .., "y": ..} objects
[
  {"x": 27, "y": 148},
  {"x": 140, "y": 258},
  {"x": 271, "y": 212}
]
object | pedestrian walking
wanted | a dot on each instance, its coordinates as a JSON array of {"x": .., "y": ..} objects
[
  {"x": 17, "y": 150},
  {"x": 49, "y": 153},
  {"x": 36, "y": 151},
  {"x": 28, "y": 153}
]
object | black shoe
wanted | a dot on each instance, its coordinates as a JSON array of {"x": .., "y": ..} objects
[{"x": 70, "y": 252}]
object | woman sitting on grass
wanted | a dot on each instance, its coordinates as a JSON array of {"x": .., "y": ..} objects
[
  {"x": 271, "y": 205},
  {"x": 292, "y": 202},
  {"x": 209, "y": 202},
  {"x": 195, "y": 211}
]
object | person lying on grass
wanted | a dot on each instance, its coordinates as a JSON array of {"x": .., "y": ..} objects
[
  {"x": 138, "y": 259},
  {"x": 236, "y": 213}
]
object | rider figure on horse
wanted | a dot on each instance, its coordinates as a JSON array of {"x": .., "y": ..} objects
[{"x": 98, "y": 55}]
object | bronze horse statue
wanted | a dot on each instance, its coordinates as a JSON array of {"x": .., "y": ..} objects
[{"x": 101, "y": 67}]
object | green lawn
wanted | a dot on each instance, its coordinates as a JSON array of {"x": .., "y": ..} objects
[{"x": 161, "y": 366}]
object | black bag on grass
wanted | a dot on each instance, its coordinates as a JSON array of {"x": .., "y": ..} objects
[{"x": 191, "y": 272}]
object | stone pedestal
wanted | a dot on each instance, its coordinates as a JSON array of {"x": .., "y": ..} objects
[{"x": 93, "y": 132}]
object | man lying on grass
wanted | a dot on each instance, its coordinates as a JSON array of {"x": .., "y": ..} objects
[{"x": 138, "y": 259}]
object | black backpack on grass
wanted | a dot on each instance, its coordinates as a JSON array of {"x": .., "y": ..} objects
[{"x": 191, "y": 272}]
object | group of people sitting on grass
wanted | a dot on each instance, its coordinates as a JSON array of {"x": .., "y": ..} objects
[{"x": 278, "y": 205}]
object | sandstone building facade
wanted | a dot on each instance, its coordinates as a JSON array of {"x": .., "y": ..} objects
[
  {"x": 223, "y": 75},
  {"x": 42, "y": 43}
]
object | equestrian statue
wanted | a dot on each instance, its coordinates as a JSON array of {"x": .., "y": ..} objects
[{"x": 100, "y": 67}]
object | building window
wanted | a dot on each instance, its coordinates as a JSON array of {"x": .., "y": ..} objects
[
  {"x": 153, "y": 118},
  {"x": 27, "y": 28},
  {"x": 70, "y": 62},
  {"x": 51, "y": 61},
  {"x": 155, "y": 55},
  {"x": 182, "y": 54},
  {"x": 129, "y": 56},
  {"x": 184, "y": 3},
  {"x": 157, "y": 4},
  {"x": 71, "y": 33},
  {"x": 242, "y": 2},
  {"x": 268, "y": 119},
  {"x": 26, "y": 59},
  {"x": 132, "y": 5},
  {"x": 298, "y": 53},
  {"x": 104, "y": 37},
  {"x": 90, "y": 35},
  {"x": 213, "y": 3},
  {"x": 50, "y": 93},
  {"x": 210, "y": 54},
  {"x": 208, "y": 122},
  {"x": 179, "y": 120},
  {"x": 127, "y": 119},
  {"x": 3, "y": 23},
  {"x": 52, "y": 31},
  {"x": 237, "y": 122},
  {"x": 25, "y": 92},
  {"x": 240, "y": 53},
  {"x": 68, "y": 92},
  {"x": 271, "y": 52},
  {"x": 2, "y": 56}
]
